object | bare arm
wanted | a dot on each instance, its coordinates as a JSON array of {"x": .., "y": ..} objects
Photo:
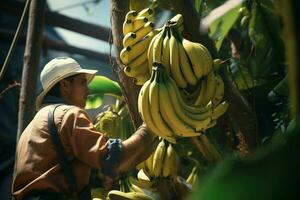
[{"x": 137, "y": 148}]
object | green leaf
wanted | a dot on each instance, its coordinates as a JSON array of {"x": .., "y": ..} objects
[
  {"x": 198, "y": 5},
  {"x": 221, "y": 19},
  {"x": 103, "y": 85},
  {"x": 94, "y": 101},
  {"x": 264, "y": 33},
  {"x": 242, "y": 76},
  {"x": 269, "y": 173}
]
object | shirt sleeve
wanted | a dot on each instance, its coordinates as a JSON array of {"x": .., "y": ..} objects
[{"x": 89, "y": 145}]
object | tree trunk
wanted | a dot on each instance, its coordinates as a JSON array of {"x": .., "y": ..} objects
[
  {"x": 31, "y": 62},
  {"x": 119, "y": 9}
]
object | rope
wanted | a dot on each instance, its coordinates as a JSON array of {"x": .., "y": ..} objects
[{"x": 15, "y": 40}]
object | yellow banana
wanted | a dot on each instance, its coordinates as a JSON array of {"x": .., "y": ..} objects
[
  {"x": 179, "y": 126},
  {"x": 211, "y": 86},
  {"x": 212, "y": 124},
  {"x": 219, "y": 93},
  {"x": 175, "y": 94},
  {"x": 200, "y": 97},
  {"x": 118, "y": 195},
  {"x": 171, "y": 162},
  {"x": 147, "y": 12},
  {"x": 146, "y": 184},
  {"x": 191, "y": 51},
  {"x": 128, "y": 39},
  {"x": 219, "y": 110},
  {"x": 145, "y": 112},
  {"x": 166, "y": 51},
  {"x": 125, "y": 56},
  {"x": 142, "y": 32},
  {"x": 130, "y": 15},
  {"x": 148, "y": 170},
  {"x": 130, "y": 53},
  {"x": 150, "y": 50},
  {"x": 136, "y": 71},
  {"x": 158, "y": 158},
  {"x": 140, "y": 79},
  {"x": 206, "y": 58},
  {"x": 139, "y": 23},
  {"x": 139, "y": 196},
  {"x": 185, "y": 66},
  {"x": 127, "y": 27},
  {"x": 157, "y": 46},
  {"x": 182, "y": 122},
  {"x": 127, "y": 24},
  {"x": 193, "y": 177},
  {"x": 135, "y": 188},
  {"x": 139, "y": 60},
  {"x": 217, "y": 64},
  {"x": 142, "y": 176},
  {"x": 174, "y": 62},
  {"x": 163, "y": 130},
  {"x": 178, "y": 21}
]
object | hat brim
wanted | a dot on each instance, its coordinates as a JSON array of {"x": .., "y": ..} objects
[{"x": 89, "y": 73}]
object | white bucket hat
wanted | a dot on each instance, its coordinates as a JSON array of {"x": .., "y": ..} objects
[{"x": 58, "y": 69}]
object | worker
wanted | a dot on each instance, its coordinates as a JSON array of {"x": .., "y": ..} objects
[{"x": 59, "y": 148}]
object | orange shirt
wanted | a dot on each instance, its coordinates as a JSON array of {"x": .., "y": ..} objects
[{"x": 36, "y": 164}]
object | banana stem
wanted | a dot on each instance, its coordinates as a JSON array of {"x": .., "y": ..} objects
[
  {"x": 166, "y": 189},
  {"x": 213, "y": 152},
  {"x": 200, "y": 147},
  {"x": 195, "y": 161},
  {"x": 207, "y": 149}
]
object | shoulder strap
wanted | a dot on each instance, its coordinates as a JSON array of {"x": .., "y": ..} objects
[{"x": 63, "y": 161}]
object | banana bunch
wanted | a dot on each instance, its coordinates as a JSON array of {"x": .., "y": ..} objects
[
  {"x": 138, "y": 30},
  {"x": 143, "y": 181},
  {"x": 211, "y": 89},
  {"x": 192, "y": 179},
  {"x": 165, "y": 112},
  {"x": 115, "y": 122},
  {"x": 98, "y": 193},
  {"x": 118, "y": 195},
  {"x": 184, "y": 60},
  {"x": 128, "y": 190},
  {"x": 162, "y": 163},
  {"x": 109, "y": 123},
  {"x": 178, "y": 21}
]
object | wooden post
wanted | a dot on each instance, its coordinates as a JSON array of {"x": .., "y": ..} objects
[
  {"x": 62, "y": 21},
  {"x": 31, "y": 63}
]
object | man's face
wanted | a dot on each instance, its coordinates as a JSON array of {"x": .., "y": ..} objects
[{"x": 76, "y": 90}]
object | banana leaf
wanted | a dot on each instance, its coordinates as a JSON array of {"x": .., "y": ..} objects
[
  {"x": 99, "y": 87},
  {"x": 270, "y": 173},
  {"x": 221, "y": 19},
  {"x": 264, "y": 33}
]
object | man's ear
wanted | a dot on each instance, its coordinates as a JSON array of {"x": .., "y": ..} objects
[{"x": 64, "y": 86}]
